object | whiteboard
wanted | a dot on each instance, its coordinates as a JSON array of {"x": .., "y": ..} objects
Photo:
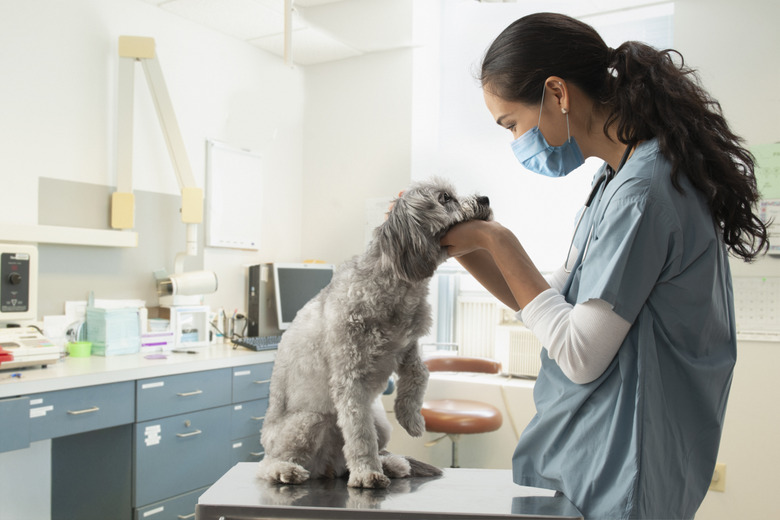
[{"x": 233, "y": 196}]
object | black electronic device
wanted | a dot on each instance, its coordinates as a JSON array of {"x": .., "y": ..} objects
[{"x": 276, "y": 292}]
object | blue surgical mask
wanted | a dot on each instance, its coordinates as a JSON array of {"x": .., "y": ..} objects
[{"x": 535, "y": 153}]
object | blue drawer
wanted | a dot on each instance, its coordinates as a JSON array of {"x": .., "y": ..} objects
[
  {"x": 15, "y": 421},
  {"x": 65, "y": 412},
  {"x": 248, "y": 449},
  {"x": 247, "y": 418},
  {"x": 177, "y": 508},
  {"x": 179, "y": 454},
  {"x": 251, "y": 382},
  {"x": 172, "y": 395}
]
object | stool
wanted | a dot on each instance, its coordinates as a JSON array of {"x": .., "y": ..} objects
[{"x": 454, "y": 417}]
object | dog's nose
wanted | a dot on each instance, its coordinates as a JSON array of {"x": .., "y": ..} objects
[{"x": 483, "y": 201}]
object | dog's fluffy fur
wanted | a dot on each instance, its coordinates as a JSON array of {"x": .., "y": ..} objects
[{"x": 324, "y": 417}]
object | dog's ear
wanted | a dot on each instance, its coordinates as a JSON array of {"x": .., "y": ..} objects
[{"x": 405, "y": 248}]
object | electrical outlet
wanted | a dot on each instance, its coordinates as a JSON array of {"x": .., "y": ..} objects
[{"x": 719, "y": 478}]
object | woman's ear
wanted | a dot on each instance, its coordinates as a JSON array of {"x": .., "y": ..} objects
[{"x": 560, "y": 92}]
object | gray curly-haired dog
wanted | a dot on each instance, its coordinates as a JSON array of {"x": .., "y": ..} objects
[{"x": 324, "y": 417}]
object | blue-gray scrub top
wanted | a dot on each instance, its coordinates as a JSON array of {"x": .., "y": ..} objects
[{"x": 641, "y": 440}]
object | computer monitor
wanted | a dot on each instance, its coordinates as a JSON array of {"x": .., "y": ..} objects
[{"x": 294, "y": 285}]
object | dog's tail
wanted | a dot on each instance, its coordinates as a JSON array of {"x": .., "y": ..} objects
[{"x": 422, "y": 469}]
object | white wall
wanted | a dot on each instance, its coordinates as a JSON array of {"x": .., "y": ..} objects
[{"x": 357, "y": 143}]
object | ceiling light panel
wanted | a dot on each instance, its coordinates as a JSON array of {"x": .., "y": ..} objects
[{"x": 309, "y": 46}]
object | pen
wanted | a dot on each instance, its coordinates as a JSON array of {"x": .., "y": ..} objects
[{"x": 185, "y": 351}]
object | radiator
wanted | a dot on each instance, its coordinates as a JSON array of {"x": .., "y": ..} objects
[
  {"x": 475, "y": 325},
  {"x": 518, "y": 350}
]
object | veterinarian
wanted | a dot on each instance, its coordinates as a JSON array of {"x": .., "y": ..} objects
[{"x": 638, "y": 324}]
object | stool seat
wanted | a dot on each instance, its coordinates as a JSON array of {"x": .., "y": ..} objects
[{"x": 460, "y": 416}]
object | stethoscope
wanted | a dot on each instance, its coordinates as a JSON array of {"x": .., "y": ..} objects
[{"x": 605, "y": 179}]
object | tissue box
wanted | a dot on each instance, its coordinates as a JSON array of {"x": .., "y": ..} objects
[{"x": 113, "y": 331}]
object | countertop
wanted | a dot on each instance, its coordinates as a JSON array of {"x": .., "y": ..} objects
[{"x": 72, "y": 372}]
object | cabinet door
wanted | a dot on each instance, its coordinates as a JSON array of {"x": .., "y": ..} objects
[
  {"x": 251, "y": 382},
  {"x": 78, "y": 410},
  {"x": 180, "y": 453},
  {"x": 15, "y": 421},
  {"x": 247, "y": 449},
  {"x": 172, "y": 395},
  {"x": 247, "y": 418}
]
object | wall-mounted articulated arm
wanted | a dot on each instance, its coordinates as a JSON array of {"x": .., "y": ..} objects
[{"x": 134, "y": 49}]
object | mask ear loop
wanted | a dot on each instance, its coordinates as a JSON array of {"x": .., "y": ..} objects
[{"x": 568, "y": 132}]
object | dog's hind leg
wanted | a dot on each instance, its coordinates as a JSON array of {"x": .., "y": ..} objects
[
  {"x": 290, "y": 445},
  {"x": 394, "y": 466},
  {"x": 282, "y": 471}
]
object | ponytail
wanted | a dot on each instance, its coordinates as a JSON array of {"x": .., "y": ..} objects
[
  {"x": 645, "y": 95},
  {"x": 649, "y": 95}
]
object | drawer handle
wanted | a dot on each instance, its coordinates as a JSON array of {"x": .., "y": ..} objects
[
  {"x": 257, "y": 418},
  {"x": 262, "y": 382},
  {"x": 184, "y": 517},
  {"x": 256, "y": 453},
  {"x": 87, "y": 410},
  {"x": 187, "y": 394},
  {"x": 190, "y": 434}
]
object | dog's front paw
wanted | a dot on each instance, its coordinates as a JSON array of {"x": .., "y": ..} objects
[
  {"x": 368, "y": 479},
  {"x": 413, "y": 423}
]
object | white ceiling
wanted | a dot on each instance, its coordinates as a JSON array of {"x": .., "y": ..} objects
[
  {"x": 329, "y": 30},
  {"x": 323, "y": 30}
]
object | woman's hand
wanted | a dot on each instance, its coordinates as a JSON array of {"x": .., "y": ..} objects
[{"x": 469, "y": 236}]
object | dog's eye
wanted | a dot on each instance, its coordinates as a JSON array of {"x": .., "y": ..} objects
[{"x": 444, "y": 198}]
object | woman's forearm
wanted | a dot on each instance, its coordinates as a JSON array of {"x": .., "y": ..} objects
[
  {"x": 520, "y": 274},
  {"x": 482, "y": 267}
]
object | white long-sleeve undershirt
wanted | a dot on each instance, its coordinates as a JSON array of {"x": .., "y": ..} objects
[{"x": 582, "y": 339}]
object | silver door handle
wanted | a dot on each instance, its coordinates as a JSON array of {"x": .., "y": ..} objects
[
  {"x": 262, "y": 382},
  {"x": 257, "y": 418},
  {"x": 87, "y": 410},
  {"x": 184, "y": 517},
  {"x": 186, "y": 394},
  {"x": 190, "y": 434},
  {"x": 256, "y": 453}
]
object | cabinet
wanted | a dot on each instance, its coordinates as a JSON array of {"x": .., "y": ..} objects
[
  {"x": 139, "y": 447},
  {"x": 191, "y": 428},
  {"x": 251, "y": 387}
]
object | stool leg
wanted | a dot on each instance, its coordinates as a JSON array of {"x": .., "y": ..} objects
[{"x": 455, "y": 462}]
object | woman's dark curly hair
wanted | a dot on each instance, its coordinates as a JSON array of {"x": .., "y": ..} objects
[{"x": 646, "y": 95}]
